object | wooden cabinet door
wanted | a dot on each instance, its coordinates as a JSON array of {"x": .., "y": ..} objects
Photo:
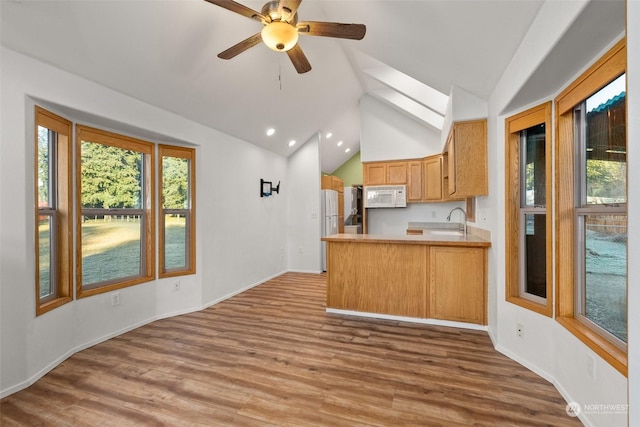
[
  {"x": 327, "y": 182},
  {"x": 397, "y": 173},
  {"x": 337, "y": 184},
  {"x": 415, "y": 181},
  {"x": 468, "y": 159},
  {"x": 457, "y": 284},
  {"x": 451, "y": 163},
  {"x": 433, "y": 178},
  {"x": 374, "y": 173},
  {"x": 341, "y": 211}
]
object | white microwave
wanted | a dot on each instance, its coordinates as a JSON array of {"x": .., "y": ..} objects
[{"x": 385, "y": 196}]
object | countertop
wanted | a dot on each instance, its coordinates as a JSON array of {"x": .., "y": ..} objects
[{"x": 426, "y": 239}]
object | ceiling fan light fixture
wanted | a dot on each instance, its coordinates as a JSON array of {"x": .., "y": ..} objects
[{"x": 279, "y": 36}]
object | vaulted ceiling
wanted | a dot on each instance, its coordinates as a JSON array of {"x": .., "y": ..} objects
[{"x": 163, "y": 52}]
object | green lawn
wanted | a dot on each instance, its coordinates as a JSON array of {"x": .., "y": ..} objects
[{"x": 111, "y": 249}]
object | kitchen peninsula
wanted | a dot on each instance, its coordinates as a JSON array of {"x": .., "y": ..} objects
[{"x": 431, "y": 276}]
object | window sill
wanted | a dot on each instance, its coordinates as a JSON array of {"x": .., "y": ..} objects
[
  {"x": 544, "y": 309},
  {"x": 614, "y": 355},
  {"x": 50, "y": 305},
  {"x": 88, "y": 292}
]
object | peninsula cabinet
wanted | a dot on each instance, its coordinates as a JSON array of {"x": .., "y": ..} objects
[
  {"x": 436, "y": 276},
  {"x": 466, "y": 150},
  {"x": 458, "y": 284}
]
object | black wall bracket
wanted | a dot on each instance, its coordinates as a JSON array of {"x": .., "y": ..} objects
[{"x": 267, "y": 188}]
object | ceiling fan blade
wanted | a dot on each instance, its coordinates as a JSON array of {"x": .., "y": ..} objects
[
  {"x": 290, "y": 5},
  {"x": 332, "y": 29},
  {"x": 240, "y": 9},
  {"x": 299, "y": 60},
  {"x": 241, "y": 47}
]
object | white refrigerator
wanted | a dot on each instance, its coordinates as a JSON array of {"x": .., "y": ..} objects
[{"x": 329, "y": 218}]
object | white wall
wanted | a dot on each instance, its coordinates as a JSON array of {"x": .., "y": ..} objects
[
  {"x": 633, "y": 245},
  {"x": 239, "y": 239},
  {"x": 462, "y": 105},
  {"x": 387, "y": 134},
  {"x": 303, "y": 181},
  {"x": 547, "y": 348}
]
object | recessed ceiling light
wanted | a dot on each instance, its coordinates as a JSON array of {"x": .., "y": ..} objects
[
  {"x": 270, "y": 131},
  {"x": 292, "y": 143},
  {"x": 339, "y": 143},
  {"x": 328, "y": 135},
  {"x": 347, "y": 150}
]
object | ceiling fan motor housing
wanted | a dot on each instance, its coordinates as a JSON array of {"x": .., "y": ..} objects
[{"x": 273, "y": 11}]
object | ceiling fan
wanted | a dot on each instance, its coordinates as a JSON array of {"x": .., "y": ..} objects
[{"x": 281, "y": 29}]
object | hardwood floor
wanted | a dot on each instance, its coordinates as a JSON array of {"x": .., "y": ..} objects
[{"x": 272, "y": 357}]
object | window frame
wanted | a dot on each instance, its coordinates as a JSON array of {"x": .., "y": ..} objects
[
  {"x": 514, "y": 237},
  {"x": 147, "y": 208},
  {"x": 61, "y": 248},
  {"x": 189, "y": 212},
  {"x": 611, "y": 65}
]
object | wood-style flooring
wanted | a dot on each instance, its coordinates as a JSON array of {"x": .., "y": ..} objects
[{"x": 271, "y": 356}]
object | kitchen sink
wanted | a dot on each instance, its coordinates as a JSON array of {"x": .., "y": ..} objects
[{"x": 443, "y": 232}]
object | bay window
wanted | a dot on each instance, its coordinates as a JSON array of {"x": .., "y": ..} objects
[
  {"x": 591, "y": 208},
  {"x": 528, "y": 226},
  {"x": 115, "y": 226},
  {"x": 114, "y": 217},
  {"x": 52, "y": 217},
  {"x": 177, "y": 220}
]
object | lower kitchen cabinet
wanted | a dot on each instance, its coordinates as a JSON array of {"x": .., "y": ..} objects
[
  {"x": 458, "y": 284},
  {"x": 410, "y": 276},
  {"x": 357, "y": 281}
]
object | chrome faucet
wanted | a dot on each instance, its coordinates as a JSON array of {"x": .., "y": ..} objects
[{"x": 464, "y": 224}]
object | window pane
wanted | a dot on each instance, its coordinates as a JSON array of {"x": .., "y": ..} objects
[
  {"x": 606, "y": 145},
  {"x": 45, "y": 143},
  {"x": 44, "y": 256},
  {"x": 606, "y": 272},
  {"x": 111, "y": 177},
  {"x": 175, "y": 183},
  {"x": 535, "y": 248},
  {"x": 533, "y": 159},
  {"x": 175, "y": 241},
  {"x": 111, "y": 248}
]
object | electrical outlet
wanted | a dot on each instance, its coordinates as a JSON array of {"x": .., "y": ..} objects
[
  {"x": 433, "y": 214},
  {"x": 520, "y": 330},
  {"x": 314, "y": 215},
  {"x": 176, "y": 285},
  {"x": 300, "y": 250},
  {"x": 591, "y": 366},
  {"x": 115, "y": 299}
]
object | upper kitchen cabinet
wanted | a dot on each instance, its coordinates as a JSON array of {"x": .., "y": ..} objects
[
  {"x": 415, "y": 180},
  {"x": 330, "y": 182},
  {"x": 433, "y": 179},
  {"x": 466, "y": 150},
  {"x": 385, "y": 173},
  {"x": 403, "y": 172}
]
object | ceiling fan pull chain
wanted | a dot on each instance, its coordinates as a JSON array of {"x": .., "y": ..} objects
[{"x": 280, "y": 73}]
